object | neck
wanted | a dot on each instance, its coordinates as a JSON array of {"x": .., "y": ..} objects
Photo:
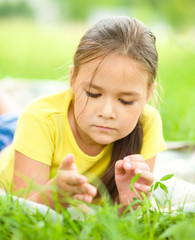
[{"x": 88, "y": 146}]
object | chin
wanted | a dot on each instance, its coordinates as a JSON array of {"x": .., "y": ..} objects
[{"x": 103, "y": 141}]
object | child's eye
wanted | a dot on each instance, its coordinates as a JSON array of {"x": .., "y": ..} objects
[
  {"x": 126, "y": 102},
  {"x": 93, "y": 95}
]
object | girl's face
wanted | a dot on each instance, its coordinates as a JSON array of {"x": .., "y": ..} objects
[{"x": 108, "y": 105}]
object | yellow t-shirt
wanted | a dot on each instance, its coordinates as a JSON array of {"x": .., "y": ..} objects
[{"x": 44, "y": 134}]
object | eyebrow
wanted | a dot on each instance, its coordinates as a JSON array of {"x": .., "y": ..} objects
[{"x": 131, "y": 93}]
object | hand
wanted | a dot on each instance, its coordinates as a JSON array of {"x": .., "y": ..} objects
[
  {"x": 70, "y": 183},
  {"x": 124, "y": 171}
]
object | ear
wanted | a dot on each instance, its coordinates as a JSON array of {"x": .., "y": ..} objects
[
  {"x": 151, "y": 91},
  {"x": 71, "y": 74}
]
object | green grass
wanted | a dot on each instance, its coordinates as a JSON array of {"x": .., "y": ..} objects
[
  {"x": 19, "y": 222},
  {"x": 176, "y": 74},
  {"x": 32, "y": 51}
]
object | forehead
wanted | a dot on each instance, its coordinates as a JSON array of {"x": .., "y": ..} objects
[{"x": 113, "y": 71}]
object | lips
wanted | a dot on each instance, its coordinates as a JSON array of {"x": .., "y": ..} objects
[{"x": 104, "y": 128}]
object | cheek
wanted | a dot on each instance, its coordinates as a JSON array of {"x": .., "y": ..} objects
[
  {"x": 129, "y": 119},
  {"x": 80, "y": 105},
  {"x": 83, "y": 109},
  {"x": 128, "y": 124}
]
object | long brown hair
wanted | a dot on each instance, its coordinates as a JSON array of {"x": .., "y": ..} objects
[{"x": 130, "y": 38}]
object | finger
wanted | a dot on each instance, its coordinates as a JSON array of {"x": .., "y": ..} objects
[
  {"x": 142, "y": 188},
  {"x": 83, "y": 207},
  {"x": 86, "y": 189},
  {"x": 76, "y": 183},
  {"x": 135, "y": 157},
  {"x": 119, "y": 167},
  {"x": 68, "y": 163},
  {"x": 90, "y": 189},
  {"x": 131, "y": 161},
  {"x": 73, "y": 190},
  {"x": 129, "y": 165},
  {"x": 74, "y": 179},
  {"x": 83, "y": 197},
  {"x": 146, "y": 176}
]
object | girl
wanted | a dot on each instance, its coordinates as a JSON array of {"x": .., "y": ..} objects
[{"x": 101, "y": 127}]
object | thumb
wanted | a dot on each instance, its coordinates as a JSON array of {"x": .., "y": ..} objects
[
  {"x": 68, "y": 163},
  {"x": 119, "y": 167}
]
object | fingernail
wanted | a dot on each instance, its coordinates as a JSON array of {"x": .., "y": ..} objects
[
  {"x": 70, "y": 155},
  {"x": 88, "y": 199},
  {"x": 139, "y": 171},
  {"x": 90, "y": 191},
  {"x": 137, "y": 185},
  {"x": 126, "y": 159},
  {"x": 127, "y": 165}
]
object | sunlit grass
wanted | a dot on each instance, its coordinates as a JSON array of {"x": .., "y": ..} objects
[
  {"x": 17, "y": 221},
  {"x": 32, "y": 51},
  {"x": 176, "y": 74},
  {"x": 29, "y": 50}
]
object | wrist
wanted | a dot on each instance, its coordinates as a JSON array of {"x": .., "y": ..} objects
[
  {"x": 124, "y": 199},
  {"x": 45, "y": 195}
]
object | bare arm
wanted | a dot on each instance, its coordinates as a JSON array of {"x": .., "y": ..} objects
[
  {"x": 26, "y": 169},
  {"x": 31, "y": 168},
  {"x": 66, "y": 181},
  {"x": 151, "y": 163}
]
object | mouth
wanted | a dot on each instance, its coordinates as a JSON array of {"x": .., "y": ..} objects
[{"x": 104, "y": 128}]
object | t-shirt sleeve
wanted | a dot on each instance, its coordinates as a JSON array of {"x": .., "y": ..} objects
[
  {"x": 153, "y": 140},
  {"x": 34, "y": 137}
]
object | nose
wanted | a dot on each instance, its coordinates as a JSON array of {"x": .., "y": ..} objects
[{"x": 106, "y": 109}]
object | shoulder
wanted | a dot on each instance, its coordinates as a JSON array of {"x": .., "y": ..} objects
[
  {"x": 49, "y": 105},
  {"x": 150, "y": 117},
  {"x": 153, "y": 140},
  {"x": 149, "y": 113}
]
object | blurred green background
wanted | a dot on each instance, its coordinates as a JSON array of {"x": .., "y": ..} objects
[{"x": 38, "y": 40}]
